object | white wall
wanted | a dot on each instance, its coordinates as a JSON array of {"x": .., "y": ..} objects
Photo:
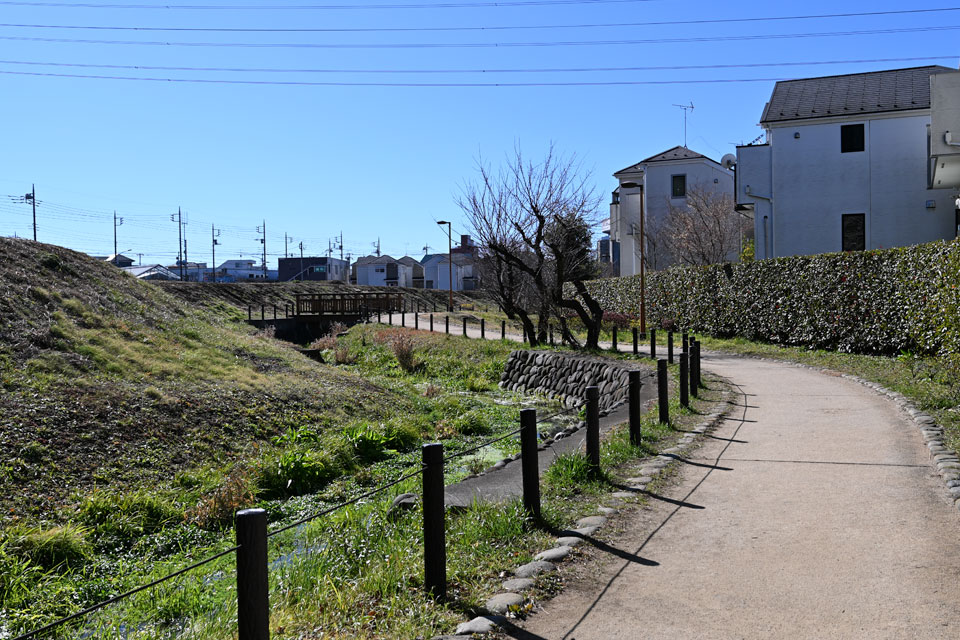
[
  {"x": 656, "y": 196},
  {"x": 367, "y": 274},
  {"x": 812, "y": 184},
  {"x": 438, "y": 270}
]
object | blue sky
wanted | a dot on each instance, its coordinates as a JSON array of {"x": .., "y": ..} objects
[{"x": 379, "y": 161}]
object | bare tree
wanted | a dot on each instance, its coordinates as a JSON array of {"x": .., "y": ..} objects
[
  {"x": 704, "y": 230},
  {"x": 529, "y": 218}
]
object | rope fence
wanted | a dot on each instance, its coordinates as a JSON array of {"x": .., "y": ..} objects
[{"x": 251, "y": 524}]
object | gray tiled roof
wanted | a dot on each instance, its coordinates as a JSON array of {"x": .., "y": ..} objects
[
  {"x": 676, "y": 153},
  {"x": 852, "y": 94}
]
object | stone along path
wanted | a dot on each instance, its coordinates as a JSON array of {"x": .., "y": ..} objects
[{"x": 814, "y": 511}]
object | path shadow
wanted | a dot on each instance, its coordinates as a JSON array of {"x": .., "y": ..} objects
[
  {"x": 696, "y": 464},
  {"x": 600, "y": 545},
  {"x": 510, "y": 630}
]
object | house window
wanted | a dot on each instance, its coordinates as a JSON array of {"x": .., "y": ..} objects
[
  {"x": 851, "y": 138},
  {"x": 854, "y": 232},
  {"x": 678, "y": 186},
  {"x": 380, "y": 269}
]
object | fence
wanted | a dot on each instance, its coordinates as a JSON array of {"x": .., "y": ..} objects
[{"x": 252, "y": 569}]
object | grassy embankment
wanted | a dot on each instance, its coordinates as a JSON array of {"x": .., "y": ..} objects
[{"x": 135, "y": 424}]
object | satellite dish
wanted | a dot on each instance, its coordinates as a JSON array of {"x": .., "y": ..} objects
[{"x": 728, "y": 161}]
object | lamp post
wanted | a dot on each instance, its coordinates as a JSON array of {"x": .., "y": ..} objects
[
  {"x": 450, "y": 260},
  {"x": 643, "y": 285}
]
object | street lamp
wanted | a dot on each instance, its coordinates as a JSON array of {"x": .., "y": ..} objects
[
  {"x": 643, "y": 284},
  {"x": 450, "y": 260}
]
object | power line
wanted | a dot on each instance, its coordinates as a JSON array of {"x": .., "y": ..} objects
[
  {"x": 317, "y": 7},
  {"x": 395, "y": 84},
  {"x": 476, "y": 28},
  {"x": 485, "y": 45},
  {"x": 756, "y": 65}
]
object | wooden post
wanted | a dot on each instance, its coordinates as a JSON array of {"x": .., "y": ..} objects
[
  {"x": 670, "y": 347},
  {"x": 263, "y": 312},
  {"x": 464, "y": 326},
  {"x": 528, "y": 458},
  {"x": 686, "y": 343},
  {"x": 482, "y": 329},
  {"x": 653, "y": 343},
  {"x": 390, "y": 316},
  {"x": 684, "y": 379},
  {"x": 613, "y": 344},
  {"x": 378, "y": 315},
  {"x": 434, "y": 535},
  {"x": 634, "y": 396},
  {"x": 274, "y": 312},
  {"x": 593, "y": 428},
  {"x": 695, "y": 368},
  {"x": 503, "y": 329},
  {"x": 416, "y": 319},
  {"x": 636, "y": 344},
  {"x": 249, "y": 313},
  {"x": 446, "y": 323},
  {"x": 664, "y": 400},
  {"x": 253, "y": 604},
  {"x": 403, "y": 318},
  {"x": 431, "y": 323}
]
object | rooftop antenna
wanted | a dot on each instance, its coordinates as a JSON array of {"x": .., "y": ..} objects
[
  {"x": 685, "y": 107},
  {"x": 377, "y": 247},
  {"x": 426, "y": 249}
]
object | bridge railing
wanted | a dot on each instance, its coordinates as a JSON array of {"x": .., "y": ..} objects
[{"x": 321, "y": 304}]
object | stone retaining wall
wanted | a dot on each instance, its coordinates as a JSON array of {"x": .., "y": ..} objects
[{"x": 566, "y": 377}]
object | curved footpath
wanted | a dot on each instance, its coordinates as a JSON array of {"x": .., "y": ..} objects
[{"x": 813, "y": 511}]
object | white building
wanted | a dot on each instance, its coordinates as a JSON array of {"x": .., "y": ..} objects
[
  {"x": 845, "y": 166},
  {"x": 243, "y": 271},
  {"x": 382, "y": 271},
  {"x": 645, "y": 196},
  {"x": 436, "y": 271}
]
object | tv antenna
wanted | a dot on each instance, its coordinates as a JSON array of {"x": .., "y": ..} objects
[{"x": 685, "y": 107}]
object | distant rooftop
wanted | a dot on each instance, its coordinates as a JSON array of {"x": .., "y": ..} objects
[
  {"x": 851, "y": 94},
  {"x": 676, "y": 153}
]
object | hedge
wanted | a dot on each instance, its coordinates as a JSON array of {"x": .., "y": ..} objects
[{"x": 882, "y": 301}]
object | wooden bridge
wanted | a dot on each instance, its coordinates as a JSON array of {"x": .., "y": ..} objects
[{"x": 346, "y": 304}]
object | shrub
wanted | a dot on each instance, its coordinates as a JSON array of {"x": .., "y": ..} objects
[
  {"x": 217, "y": 510},
  {"x": 431, "y": 391},
  {"x": 369, "y": 443},
  {"x": 404, "y": 349},
  {"x": 477, "y": 384},
  {"x": 295, "y": 472},
  {"x": 324, "y": 343},
  {"x": 343, "y": 355},
  {"x": 471, "y": 423},
  {"x": 880, "y": 301}
]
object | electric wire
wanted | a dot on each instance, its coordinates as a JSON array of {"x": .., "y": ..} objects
[
  {"x": 317, "y": 7},
  {"x": 661, "y": 23},
  {"x": 756, "y": 65},
  {"x": 489, "y": 45}
]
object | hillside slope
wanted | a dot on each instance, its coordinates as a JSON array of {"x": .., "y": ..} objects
[{"x": 107, "y": 380}]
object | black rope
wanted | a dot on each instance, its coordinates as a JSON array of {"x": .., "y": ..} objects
[
  {"x": 344, "y": 504},
  {"x": 481, "y": 446},
  {"x": 122, "y": 596}
]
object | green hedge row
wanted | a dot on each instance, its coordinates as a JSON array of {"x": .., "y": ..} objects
[{"x": 882, "y": 301}]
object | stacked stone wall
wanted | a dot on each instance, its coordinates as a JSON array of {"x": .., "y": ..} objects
[{"x": 566, "y": 377}]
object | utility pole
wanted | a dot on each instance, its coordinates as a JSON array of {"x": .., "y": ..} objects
[
  {"x": 286, "y": 254},
  {"x": 116, "y": 223},
  {"x": 377, "y": 245},
  {"x": 263, "y": 241},
  {"x": 179, "y": 222},
  {"x": 139, "y": 259},
  {"x": 32, "y": 197},
  {"x": 341, "y": 245},
  {"x": 301, "y": 262},
  {"x": 329, "y": 249},
  {"x": 213, "y": 250},
  {"x": 450, "y": 260}
]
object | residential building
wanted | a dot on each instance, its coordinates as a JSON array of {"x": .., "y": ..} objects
[
  {"x": 437, "y": 271},
  {"x": 151, "y": 272},
  {"x": 192, "y": 271},
  {"x": 242, "y": 271},
  {"x": 382, "y": 271},
  {"x": 608, "y": 252},
  {"x": 466, "y": 246},
  {"x": 313, "y": 268},
  {"x": 415, "y": 271},
  {"x": 845, "y": 165},
  {"x": 117, "y": 259},
  {"x": 647, "y": 192}
]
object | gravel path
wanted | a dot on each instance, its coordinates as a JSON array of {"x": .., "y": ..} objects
[{"x": 812, "y": 512}]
